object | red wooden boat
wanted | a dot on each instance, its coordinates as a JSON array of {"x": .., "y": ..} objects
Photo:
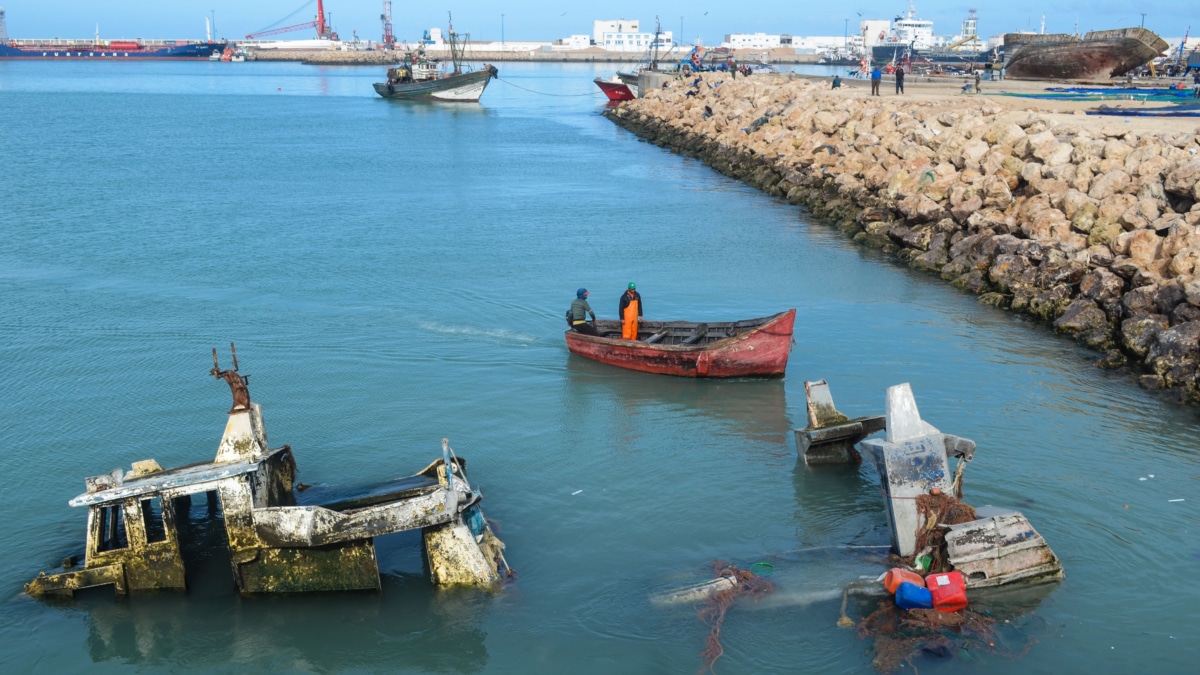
[
  {"x": 615, "y": 89},
  {"x": 750, "y": 348}
]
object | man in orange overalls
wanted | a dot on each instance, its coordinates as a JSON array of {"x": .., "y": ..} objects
[{"x": 630, "y": 312}]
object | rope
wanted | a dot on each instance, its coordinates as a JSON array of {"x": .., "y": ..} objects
[{"x": 542, "y": 93}]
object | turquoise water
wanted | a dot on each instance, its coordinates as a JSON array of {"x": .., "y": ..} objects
[{"x": 395, "y": 273}]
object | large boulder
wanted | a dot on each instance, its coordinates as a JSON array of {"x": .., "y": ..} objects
[
  {"x": 1137, "y": 333},
  {"x": 1185, "y": 180},
  {"x": 1173, "y": 354},
  {"x": 1085, "y": 321},
  {"x": 1109, "y": 184}
]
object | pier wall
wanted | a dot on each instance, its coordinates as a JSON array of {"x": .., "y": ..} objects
[
  {"x": 1093, "y": 230},
  {"x": 333, "y": 57}
]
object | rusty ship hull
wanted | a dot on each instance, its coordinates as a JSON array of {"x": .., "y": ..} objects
[{"x": 1098, "y": 55}]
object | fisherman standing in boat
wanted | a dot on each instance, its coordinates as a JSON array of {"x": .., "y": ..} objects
[
  {"x": 630, "y": 312},
  {"x": 577, "y": 315}
]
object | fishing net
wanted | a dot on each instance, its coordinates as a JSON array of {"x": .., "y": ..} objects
[
  {"x": 934, "y": 511},
  {"x": 902, "y": 636},
  {"x": 712, "y": 613}
]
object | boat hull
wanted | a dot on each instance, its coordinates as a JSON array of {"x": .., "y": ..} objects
[
  {"x": 896, "y": 52},
  {"x": 759, "y": 352},
  {"x": 466, "y": 87},
  {"x": 615, "y": 91},
  {"x": 1099, "y": 55},
  {"x": 75, "y": 52}
]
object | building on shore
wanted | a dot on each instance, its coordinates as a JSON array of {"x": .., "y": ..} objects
[{"x": 756, "y": 41}]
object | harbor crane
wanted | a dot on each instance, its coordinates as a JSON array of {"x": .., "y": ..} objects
[
  {"x": 389, "y": 39},
  {"x": 324, "y": 30}
]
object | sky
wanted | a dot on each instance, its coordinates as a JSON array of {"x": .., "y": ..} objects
[{"x": 545, "y": 20}]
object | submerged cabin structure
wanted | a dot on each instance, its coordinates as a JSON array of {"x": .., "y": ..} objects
[
  {"x": 995, "y": 547},
  {"x": 277, "y": 543}
]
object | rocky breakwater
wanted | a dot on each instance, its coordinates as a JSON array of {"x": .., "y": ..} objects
[{"x": 1074, "y": 220}]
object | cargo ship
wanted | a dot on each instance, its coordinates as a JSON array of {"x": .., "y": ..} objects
[
  {"x": 111, "y": 50},
  {"x": 912, "y": 39},
  {"x": 1098, "y": 55}
]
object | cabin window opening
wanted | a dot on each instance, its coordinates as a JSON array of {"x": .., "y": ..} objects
[
  {"x": 112, "y": 529},
  {"x": 152, "y": 517}
]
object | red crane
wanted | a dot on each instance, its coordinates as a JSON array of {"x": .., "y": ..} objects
[
  {"x": 389, "y": 39},
  {"x": 324, "y": 32}
]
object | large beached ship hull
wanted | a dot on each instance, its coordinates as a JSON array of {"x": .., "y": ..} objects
[
  {"x": 1098, "y": 55},
  {"x": 113, "y": 51}
]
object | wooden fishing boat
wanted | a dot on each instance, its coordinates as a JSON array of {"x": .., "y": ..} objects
[{"x": 749, "y": 348}]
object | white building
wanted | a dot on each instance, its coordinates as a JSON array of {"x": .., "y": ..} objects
[
  {"x": 600, "y": 27},
  {"x": 756, "y": 41},
  {"x": 573, "y": 42},
  {"x": 822, "y": 43},
  {"x": 634, "y": 42}
]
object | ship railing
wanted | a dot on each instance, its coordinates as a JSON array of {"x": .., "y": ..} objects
[{"x": 85, "y": 44}]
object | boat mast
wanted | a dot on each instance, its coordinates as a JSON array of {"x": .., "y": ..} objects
[
  {"x": 456, "y": 48},
  {"x": 654, "y": 45}
]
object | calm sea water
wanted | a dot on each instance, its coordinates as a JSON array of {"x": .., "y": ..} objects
[{"x": 395, "y": 273}]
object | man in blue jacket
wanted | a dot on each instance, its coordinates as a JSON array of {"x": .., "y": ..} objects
[{"x": 876, "y": 79}]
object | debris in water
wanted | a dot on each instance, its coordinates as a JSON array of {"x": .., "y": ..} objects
[{"x": 746, "y": 584}]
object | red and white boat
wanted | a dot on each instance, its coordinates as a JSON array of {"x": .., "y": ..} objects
[
  {"x": 615, "y": 89},
  {"x": 750, "y": 348}
]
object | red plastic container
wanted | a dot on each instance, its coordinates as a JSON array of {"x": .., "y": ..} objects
[
  {"x": 897, "y": 576},
  {"x": 949, "y": 591}
]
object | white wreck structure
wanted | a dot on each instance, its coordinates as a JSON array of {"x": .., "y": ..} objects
[{"x": 137, "y": 519}]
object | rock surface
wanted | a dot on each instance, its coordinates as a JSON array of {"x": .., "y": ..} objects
[{"x": 1092, "y": 229}]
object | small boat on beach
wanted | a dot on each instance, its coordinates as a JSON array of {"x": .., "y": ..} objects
[{"x": 749, "y": 348}]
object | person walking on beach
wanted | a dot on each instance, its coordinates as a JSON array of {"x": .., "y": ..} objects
[
  {"x": 1196, "y": 82},
  {"x": 630, "y": 312},
  {"x": 900, "y": 80},
  {"x": 577, "y": 315},
  {"x": 977, "y": 78},
  {"x": 876, "y": 78}
]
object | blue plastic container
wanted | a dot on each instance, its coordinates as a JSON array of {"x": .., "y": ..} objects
[{"x": 912, "y": 596}]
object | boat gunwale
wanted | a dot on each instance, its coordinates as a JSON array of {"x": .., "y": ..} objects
[{"x": 716, "y": 344}]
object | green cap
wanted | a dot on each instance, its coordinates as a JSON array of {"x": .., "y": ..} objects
[{"x": 632, "y": 285}]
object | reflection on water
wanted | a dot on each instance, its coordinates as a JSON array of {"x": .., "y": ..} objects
[
  {"x": 838, "y": 504},
  {"x": 754, "y": 409},
  {"x": 324, "y": 632}
]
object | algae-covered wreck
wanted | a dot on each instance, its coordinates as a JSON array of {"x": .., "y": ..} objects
[{"x": 275, "y": 544}]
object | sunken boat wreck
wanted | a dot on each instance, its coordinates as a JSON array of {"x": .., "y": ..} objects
[{"x": 277, "y": 543}]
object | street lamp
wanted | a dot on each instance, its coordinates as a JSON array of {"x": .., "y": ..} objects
[
  {"x": 1143, "y": 19},
  {"x": 680, "y": 31},
  {"x": 846, "y": 37},
  {"x": 501, "y": 30}
]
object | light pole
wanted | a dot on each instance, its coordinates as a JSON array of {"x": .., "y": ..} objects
[
  {"x": 679, "y": 41},
  {"x": 1143, "y": 19},
  {"x": 501, "y": 30},
  {"x": 846, "y": 37}
]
